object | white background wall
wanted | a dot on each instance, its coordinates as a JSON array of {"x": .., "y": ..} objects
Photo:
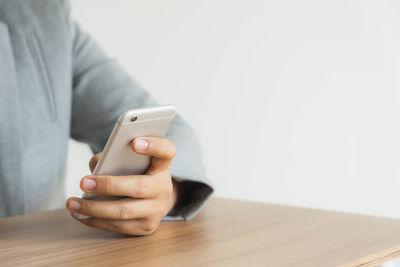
[{"x": 296, "y": 102}]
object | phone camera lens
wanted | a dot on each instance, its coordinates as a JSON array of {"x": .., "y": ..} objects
[{"x": 133, "y": 118}]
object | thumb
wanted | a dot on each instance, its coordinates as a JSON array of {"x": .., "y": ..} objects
[{"x": 93, "y": 161}]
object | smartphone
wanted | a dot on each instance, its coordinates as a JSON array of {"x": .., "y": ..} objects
[{"x": 118, "y": 157}]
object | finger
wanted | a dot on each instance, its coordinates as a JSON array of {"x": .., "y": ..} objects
[
  {"x": 123, "y": 209},
  {"x": 154, "y": 146},
  {"x": 93, "y": 161},
  {"x": 136, "y": 186},
  {"x": 162, "y": 150},
  {"x": 130, "y": 227}
]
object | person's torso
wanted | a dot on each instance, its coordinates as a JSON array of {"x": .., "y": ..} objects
[{"x": 35, "y": 104}]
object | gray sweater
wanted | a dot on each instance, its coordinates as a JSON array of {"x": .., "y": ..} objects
[{"x": 57, "y": 83}]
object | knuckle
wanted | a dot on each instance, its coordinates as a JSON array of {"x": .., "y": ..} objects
[
  {"x": 124, "y": 212},
  {"x": 113, "y": 227},
  {"x": 170, "y": 155},
  {"x": 142, "y": 187},
  {"x": 161, "y": 209},
  {"x": 86, "y": 206},
  {"x": 107, "y": 184},
  {"x": 168, "y": 189},
  {"x": 150, "y": 226},
  {"x": 88, "y": 222},
  {"x": 156, "y": 149}
]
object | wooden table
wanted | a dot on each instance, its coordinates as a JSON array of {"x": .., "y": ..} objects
[{"x": 225, "y": 233}]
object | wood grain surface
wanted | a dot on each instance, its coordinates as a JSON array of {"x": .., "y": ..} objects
[{"x": 226, "y": 233}]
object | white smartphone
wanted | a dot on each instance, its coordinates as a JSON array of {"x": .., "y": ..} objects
[{"x": 118, "y": 157}]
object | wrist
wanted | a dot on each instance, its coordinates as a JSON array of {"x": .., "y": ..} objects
[{"x": 174, "y": 198}]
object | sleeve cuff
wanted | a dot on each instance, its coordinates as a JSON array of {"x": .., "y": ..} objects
[{"x": 193, "y": 195}]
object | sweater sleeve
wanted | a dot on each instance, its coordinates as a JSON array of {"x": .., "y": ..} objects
[{"x": 102, "y": 91}]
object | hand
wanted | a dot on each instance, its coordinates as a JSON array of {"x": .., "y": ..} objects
[{"x": 150, "y": 196}]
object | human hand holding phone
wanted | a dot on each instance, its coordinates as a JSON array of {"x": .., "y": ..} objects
[{"x": 149, "y": 197}]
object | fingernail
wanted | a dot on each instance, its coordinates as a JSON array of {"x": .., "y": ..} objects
[
  {"x": 74, "y": 205},
  {"x": 89, "y": 184},
  {"x": 141, "y": 145},
  {"x": 80, "y": 216}
]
